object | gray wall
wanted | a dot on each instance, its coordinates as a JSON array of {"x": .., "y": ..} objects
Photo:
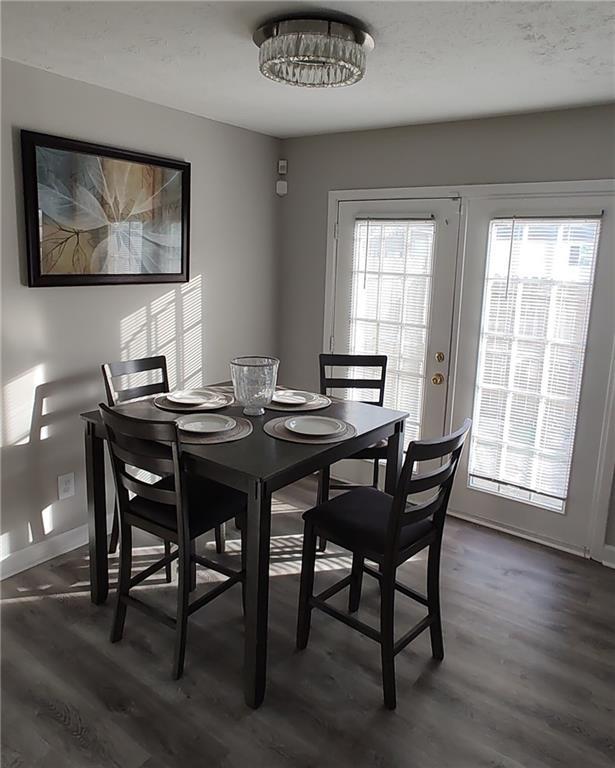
[
  {"x": 550, "y": 146},
  {"x": 54, "y": 339}
]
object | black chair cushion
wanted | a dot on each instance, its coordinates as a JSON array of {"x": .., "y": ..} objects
[
  {"x": 209, "y": 504},
  {"x": 358, "y": 520}
]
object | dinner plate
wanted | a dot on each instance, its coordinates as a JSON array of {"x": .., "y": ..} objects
[
  {"x": 195, "y": 397},
  {"x": 315, "y": 426},
  {"x": 206, "y": 424},
  {"x": 290, "y": 397}
]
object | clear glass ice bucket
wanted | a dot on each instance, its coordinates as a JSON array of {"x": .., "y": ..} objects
[{"x": 254, "y": 380}]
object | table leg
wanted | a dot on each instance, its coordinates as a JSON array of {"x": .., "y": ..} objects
[
  {"x": 97, "y": 515},
  {"x": 258, "y": 542},
  {"x": 395, "y": 458}
]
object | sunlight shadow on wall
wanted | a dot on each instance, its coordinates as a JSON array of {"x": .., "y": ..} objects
[
  {"x": 18, "y": 404},
  {"x": 171, "y": 325},
  {"x": 40, "y": 430}
]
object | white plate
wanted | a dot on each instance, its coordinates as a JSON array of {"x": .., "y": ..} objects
[
  {"x": 211, "y": 422},
  {"x": 290, "y": 397},
  {"x": 194, "y": 397},
  {"x": 315, "y": 426}
]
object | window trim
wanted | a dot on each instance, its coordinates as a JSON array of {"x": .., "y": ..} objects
[{"x": 509, "y": 192}]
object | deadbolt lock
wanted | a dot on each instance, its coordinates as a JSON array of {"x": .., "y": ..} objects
[
  {"x": 439, "y": 357},
  {"x": 437, "y": 379}
]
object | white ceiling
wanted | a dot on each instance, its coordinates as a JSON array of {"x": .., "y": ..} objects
[{"x": 433, "y": 60}]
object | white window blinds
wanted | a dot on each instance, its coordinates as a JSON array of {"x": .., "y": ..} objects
[
  {"x": 536, "y": 302},
  {"x": 391, "y": 287}
]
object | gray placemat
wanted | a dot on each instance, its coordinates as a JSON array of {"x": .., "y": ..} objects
[
  {"x": 316, "y": 405},
  {"x": 163, "y": 402},
  {"x": 276, "y": 428},
  {"x": 242, "y": 429}
]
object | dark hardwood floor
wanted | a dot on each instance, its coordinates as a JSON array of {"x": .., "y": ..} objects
[{"x": 528, "y": 677}]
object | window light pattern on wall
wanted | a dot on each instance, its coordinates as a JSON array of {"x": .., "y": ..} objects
[
  {"x": 536, "y": 303},
  {"x": 391, "y": 289}
]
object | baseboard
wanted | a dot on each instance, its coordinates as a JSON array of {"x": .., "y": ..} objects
[
  {"x": 608, "y": 555},
  {"x": 44, "y": 550},
  {"x": 553, "y": 543}
]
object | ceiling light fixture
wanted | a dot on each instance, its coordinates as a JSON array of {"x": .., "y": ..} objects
[{"x": 314, "y": 53}]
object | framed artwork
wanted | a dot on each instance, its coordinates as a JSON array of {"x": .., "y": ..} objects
[{"x": 98, "y": 215}]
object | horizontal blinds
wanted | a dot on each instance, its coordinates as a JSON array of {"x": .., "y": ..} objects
[
  {"x": 391, "y": 288},
  {"x": 535, "y": 313}
]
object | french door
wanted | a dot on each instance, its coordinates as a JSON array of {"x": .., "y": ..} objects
[
  {"x": 394, "y": 285},
  {"x": 533, "y": 356},
  {"x": 499, "y": 307}
]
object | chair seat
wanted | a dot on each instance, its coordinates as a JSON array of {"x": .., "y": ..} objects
[
  {"x": 209, "y": 504},
  {"x": 358, "y": 520}
]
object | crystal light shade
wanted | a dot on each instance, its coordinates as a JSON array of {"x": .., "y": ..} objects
[{"x": 313, "y": 53}]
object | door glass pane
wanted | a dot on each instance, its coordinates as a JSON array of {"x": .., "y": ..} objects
[
  {"x": 391, "y": 288},
  {"x": 536, "y": 302}
]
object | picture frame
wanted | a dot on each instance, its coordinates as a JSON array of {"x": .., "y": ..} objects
[{"x": 101, "y": 215}]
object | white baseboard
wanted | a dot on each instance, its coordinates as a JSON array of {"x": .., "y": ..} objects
[
  {"x": 554, "y": 544},
  {"x": 608, "y": 555},
  {"x": 44, "y": 550}
]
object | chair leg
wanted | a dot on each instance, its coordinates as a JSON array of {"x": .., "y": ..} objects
[
  {"x": 433, "y": 600},
  {"x": 242, "y": 532},
  {"x": 356, "y": 581},
  {"x": 220, "y": 534},
  {"x": 376, "y": 473},
  {"x": 183, "y": 593},
  {"x": 192, "y": 564},
  {"x": 324, "y": 480},
  {"x": 307, "y": 586},
  {"x": 168, "y": 572},
  {"x": 115, "y": 530},
  {"x": 387, "y": 607},
  {"x": 123, "y": 583}
]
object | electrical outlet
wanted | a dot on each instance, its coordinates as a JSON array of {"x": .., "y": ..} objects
[{"x": 66, "y": 486}]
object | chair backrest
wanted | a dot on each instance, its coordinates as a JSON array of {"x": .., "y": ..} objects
[
  {"x": 328, "y": 382},
  {"x": 113, "y": 371},
  {"x": 145, "y": 446},
  {"x": 437, "y": 483}
]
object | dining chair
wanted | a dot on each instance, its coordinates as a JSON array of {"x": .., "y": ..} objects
[
  {"x": 111, "y": 373},
  {"x": 327, "y": 362},
  {"x": 177, "y": 508},
  {"x": 387, "y": 530}
]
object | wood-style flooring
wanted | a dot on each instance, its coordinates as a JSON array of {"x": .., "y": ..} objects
[{"x": 528, "y": 677}]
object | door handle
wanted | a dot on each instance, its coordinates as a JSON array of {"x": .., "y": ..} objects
[{"x": 437, "y": 379}]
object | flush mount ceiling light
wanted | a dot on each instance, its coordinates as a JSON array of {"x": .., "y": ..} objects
[{"x": 314, "y": 53}]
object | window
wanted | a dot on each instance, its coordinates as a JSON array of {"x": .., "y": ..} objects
[
  {"x": 536, "y": 302},
  {"x": 391, "y": 287}
]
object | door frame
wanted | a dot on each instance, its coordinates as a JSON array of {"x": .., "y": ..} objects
[{"x": 605, "y": 468}]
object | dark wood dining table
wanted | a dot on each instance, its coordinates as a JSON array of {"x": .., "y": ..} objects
[{"x": 259, "y": 465}]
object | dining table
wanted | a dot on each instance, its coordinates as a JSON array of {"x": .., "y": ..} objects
[{"x": 259, "y": 465}]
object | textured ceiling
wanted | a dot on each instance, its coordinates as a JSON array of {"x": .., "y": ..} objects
[{"x": 433, "y": 60}]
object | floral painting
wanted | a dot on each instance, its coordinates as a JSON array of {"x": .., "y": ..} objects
[{"x": 103, "y": 215}]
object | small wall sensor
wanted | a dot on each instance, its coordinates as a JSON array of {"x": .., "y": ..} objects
[
  {"x": 282, "y": 167},
  {"x": 281, "y": 188}
]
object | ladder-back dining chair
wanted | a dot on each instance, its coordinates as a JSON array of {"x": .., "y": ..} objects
[
  {"x": 178, "y": 508},
  {"x": 387, "y": 530},
  {"x": 117, "y": 393},
  {"x": 328, "y": 381}
]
